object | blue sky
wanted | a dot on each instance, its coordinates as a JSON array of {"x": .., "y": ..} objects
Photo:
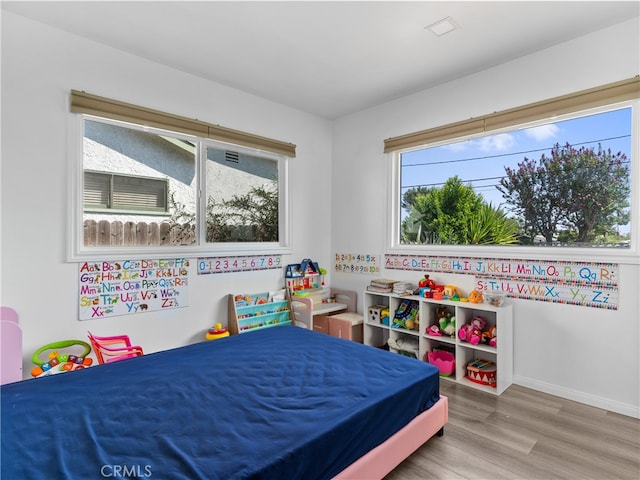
[{"x": 482, "y": 161}]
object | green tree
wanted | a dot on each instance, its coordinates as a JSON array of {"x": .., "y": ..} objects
[
  {"x": 491, "y": 226},
  {"x": 577, "y": 194},
  {"x": 251, "y": 217},
  {"x": 454, "y": 214}
]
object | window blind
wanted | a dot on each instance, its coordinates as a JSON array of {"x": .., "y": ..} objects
[
  {"x": 104, "y": 190},
  {"x": 585, "y": 99},
  {"x": 82, "y": 102},
  {"x": 139, "y": 193}
]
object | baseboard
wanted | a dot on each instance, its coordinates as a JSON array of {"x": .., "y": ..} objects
[{"x": 592, "y": 400}]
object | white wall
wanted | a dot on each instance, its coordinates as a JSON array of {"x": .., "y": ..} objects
[
  {"x": 40, "y": 66},
  {"x": 586, "y": 354}
]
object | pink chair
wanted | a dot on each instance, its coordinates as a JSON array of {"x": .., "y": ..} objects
[
  {"x": 113, "y": 349},
  {"x": 11, "y": 346}
]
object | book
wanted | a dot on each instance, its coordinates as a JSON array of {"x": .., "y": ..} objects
[
  {"x": 375, "y": 288},
  {"x": 382, "y": 282}
]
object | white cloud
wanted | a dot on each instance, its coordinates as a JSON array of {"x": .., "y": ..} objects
[
  {"x": 499, "y": 142},
  {"x": 543, "y": 132},
  {"x": 457, "y": 147}
]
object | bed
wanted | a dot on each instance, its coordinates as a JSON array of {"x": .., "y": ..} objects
[{"x": 277, "y": 403}]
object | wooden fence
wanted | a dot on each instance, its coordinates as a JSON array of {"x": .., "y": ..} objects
[{"x": 136, "y": 234}]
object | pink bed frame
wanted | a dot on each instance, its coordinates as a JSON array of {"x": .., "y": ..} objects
[{"x": 385, "y": 457}]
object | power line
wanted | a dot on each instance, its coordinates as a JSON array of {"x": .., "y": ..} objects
[
  {"x": 470, "y": 181},
  {"x": 510, "y": 154}
]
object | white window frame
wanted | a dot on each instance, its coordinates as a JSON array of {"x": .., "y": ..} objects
[
  {"x": 629, "y": 255},
  {"x": 77, "y": 252}
]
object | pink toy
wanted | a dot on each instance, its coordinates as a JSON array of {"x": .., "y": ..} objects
[
  {"x": 434, "y": 330},
  {"x": 445, "y": 361},
  {"x": 479, "y": 323},
  {"x": 469, "y": 333}
]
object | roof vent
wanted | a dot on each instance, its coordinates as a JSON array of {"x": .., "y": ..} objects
[{"x": 231, "y": 156}]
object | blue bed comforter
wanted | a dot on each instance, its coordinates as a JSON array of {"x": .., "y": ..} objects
[{"x": 280, "y": 403}]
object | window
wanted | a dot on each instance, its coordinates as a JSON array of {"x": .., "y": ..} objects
[
  {"x": 242, "y": 197},
  {"x": 133, "y": 179},
  {"x": 564, "y": 181},
  {"x": 115, "y": 192},
  {"x": 139, "y": 191}
]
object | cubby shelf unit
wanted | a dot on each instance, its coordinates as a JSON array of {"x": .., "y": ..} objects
[{"x": 377, "y": 334}]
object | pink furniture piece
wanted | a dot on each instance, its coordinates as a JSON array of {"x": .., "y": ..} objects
[
  {"x": 11, "y": 346},
  {"x": 113, "y": 349},
  {"x": 388, "y": 455}
]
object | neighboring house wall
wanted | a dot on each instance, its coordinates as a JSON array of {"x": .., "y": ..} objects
[
  {"x": 226, "y": 178},
  {"x": 114, "y": 149}
]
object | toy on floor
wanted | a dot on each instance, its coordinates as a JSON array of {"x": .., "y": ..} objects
[
  {"x": 59, "y": 363},
  {"x": 216, "y": 332}
]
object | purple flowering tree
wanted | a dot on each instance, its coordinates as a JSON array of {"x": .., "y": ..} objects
[{"x": 578, "y": 194}]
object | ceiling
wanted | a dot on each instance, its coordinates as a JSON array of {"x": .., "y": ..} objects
[{"x": 328, "y": 58}]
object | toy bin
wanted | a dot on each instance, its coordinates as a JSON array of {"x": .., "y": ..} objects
[
  {"x": 445, "y": 361},
  {"x": 494, "y": 298}
]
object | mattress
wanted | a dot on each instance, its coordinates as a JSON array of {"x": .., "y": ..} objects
[{"x": 278, "y": 403}]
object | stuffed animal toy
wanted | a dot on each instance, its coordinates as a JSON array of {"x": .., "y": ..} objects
[
  {"x": 442, "y": 311},
  {"x": 446, "y": 321},
  {"x": 469, "y": 333},
  {"x": 434, "y": 330},
  {"x": 448, "y": 326},
  {"x": 475, "y": 296},
  {"x": 489, "y": 337},
  {"x": 450, "y": 291},
  {"x": 478, "y": 323}
]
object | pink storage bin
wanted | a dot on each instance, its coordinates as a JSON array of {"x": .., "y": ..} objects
[{"x": 445, "y": 361}]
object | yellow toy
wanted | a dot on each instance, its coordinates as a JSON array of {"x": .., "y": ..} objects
[
  {"x": 450, "y": 291},
  {"x": 216, "y": 332}
]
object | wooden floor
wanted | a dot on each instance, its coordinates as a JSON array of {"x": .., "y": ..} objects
[{"x": 525, "y": 434}]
